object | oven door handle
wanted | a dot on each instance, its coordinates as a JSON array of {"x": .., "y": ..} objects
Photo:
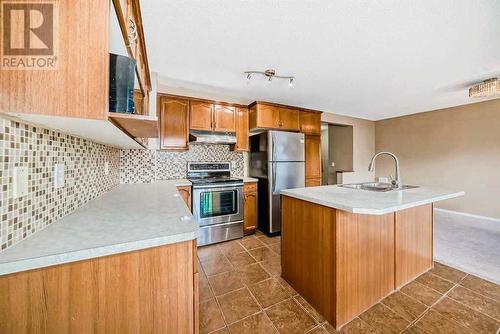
[{"x": 230, "y": 186}]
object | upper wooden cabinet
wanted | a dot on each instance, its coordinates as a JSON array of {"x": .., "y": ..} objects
[
  {"x": 77, "y": 84},
  {"x": 224, "y": 118},
  {"x": 174, "y": 123},
  {"x": 313, "y": 157},
  {"x": 75, "y": 89},
  {"x": 242, "y": 135},
  {"x": 201, "y": 114},
  {"x": 207, "y": 116},
  {"x": 310, "y": 122},
  {"x": 271, "y": 116}
]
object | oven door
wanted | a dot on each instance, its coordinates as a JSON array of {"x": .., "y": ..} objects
[{"x": 216, "y": 204}]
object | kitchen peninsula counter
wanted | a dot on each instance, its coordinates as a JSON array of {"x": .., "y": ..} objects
[
  {"x": 130, "y": 217},
  {"x": 345, "y": 249}
]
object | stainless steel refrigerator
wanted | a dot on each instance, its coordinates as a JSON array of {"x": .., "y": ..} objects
[{"x": 277, "y": 160}]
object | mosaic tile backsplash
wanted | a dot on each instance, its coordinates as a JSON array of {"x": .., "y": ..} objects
[
  {"x": 144, "y": 166},
  {"x": 39, "y": 149}
]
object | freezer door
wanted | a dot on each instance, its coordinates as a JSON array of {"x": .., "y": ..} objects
[
  {"x": 282, "y": 175},
  {"x": 286, "y": 146}
]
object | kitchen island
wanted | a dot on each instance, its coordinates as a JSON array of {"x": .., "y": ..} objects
[{"x": 344, "y": 249}]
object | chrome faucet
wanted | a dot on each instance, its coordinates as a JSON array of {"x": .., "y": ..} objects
[{"x": 397, "y": 182}]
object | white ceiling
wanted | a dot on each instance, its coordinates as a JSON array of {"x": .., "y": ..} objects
[{"x": 367, "y": 59}]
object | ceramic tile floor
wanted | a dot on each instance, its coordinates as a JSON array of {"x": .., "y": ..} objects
[{"x": 241, "y": 292}]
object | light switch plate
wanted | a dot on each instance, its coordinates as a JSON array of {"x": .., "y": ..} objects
[
  {"x": 20, "y": 180},
  {"x": 58, "y": 176}
]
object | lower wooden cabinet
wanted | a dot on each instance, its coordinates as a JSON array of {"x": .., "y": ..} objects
[
  {"x": 147, "y": 291},
  {"x": 250, "y": 209},
  {"x": 185, "y": 192}
]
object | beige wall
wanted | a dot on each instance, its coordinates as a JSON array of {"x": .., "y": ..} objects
[
  {"x": 457, "y": 148},
  {"x": 363, "y": 145}
]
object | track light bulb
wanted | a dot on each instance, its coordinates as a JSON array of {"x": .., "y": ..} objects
[{"x": 290, "y": 84}]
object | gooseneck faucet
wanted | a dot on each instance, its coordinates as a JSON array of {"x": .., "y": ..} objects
[{"x": 397, "y": 182}]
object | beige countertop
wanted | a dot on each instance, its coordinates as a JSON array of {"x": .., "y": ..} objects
[{"x": 127, "y": 218}]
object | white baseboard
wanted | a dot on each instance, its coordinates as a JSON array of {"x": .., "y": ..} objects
[{"x": 464, "y": 214}]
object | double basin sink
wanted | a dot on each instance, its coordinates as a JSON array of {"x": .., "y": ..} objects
[{"x": 376, "y": 186}]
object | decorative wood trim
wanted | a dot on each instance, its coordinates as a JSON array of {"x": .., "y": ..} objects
[
  {"x": 192, "y": 98},
  {"x": 282, "y": 106}
]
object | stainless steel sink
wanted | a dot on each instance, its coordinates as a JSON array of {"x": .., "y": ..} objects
[{"x": 376, "y": 186}]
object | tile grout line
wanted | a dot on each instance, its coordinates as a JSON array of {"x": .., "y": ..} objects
[
  {"x": 246, "y": 286},
  {"x": 445, "y": 295}
]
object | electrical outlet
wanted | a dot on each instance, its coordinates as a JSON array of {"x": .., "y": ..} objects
[
  {"x": 20, "y": 180},
  {"x": 58, "y": 176},
  {"x": 106, "y": 168}
]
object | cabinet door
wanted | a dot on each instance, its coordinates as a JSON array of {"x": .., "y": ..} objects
[
  {"x": 224, "y": 118},
  {"x": 201, "y": 114},
  {"x": 313, "y": 157},
  {"x": 267, "y": 117},
  {"x": 242, "y": 136},
  {"x": 289, "y": 119},
  {"x": 313, "y": 182},
  {"x": 250, "y": 209},
  {"x": 174, "y": 123},
  {"x": 310, "y": 122}
]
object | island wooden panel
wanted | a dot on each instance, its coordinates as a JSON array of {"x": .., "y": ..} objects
[
  {"x": 365, "y": 262},
  {"x": 147, "y": 291},
  {"x": 414, "y": 243},
  {"x": 308, "y": 241},
  {"x": 341, "y": 263}
]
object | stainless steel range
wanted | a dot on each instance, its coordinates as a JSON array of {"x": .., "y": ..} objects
[{"x": 217, "y": 201}]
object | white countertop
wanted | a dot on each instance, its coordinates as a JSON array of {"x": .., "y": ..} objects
[
  {"x": 371, "y": 202},
  {"x": 129, "y": 217},
  {"x": 249, "y": 179}
]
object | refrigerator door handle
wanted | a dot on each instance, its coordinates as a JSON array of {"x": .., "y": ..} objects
[
  {"x": 273, "y": 191},
  {"x": 274, "y": 147}
]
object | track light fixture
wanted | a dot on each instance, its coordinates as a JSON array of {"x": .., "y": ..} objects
[{"x": 270, "y": 74}]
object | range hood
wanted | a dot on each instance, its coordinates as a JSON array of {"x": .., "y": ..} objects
[{"x": 209, "y": 137}]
